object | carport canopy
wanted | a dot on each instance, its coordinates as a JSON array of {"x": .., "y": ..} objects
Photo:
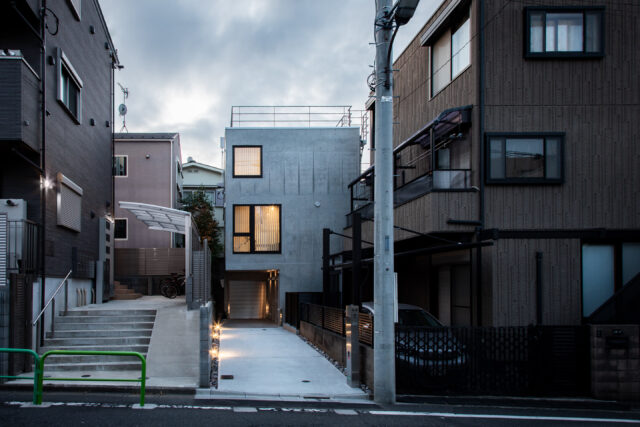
[
  {"x": 165, "y": 219},
  {"x": 159, "y": 217}
]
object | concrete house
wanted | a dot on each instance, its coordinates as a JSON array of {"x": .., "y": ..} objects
[
  {"x": 56, "y": 117},
  {"x": 515, "y": 145},
  {"x": 283, "y": 186}
]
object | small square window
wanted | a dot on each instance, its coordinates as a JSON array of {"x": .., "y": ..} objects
[
  {"x": 524, "y": 159},
  {"x": 564, "y": 32},
  {"x": 120, "y": 165},
  {"x": 120, "y": 229},
  {"x": 247, "y": 161}
]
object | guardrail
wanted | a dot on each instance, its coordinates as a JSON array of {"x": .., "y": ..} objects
[
  {"x": 38, "y": 377},
  {"x": 37, "y": 398},
  {"x": 141, "y": 380}
]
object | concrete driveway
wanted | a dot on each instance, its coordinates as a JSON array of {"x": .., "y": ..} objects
[{"x": 270, "y": 361}]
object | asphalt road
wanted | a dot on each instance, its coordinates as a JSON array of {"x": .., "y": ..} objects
[{"x": 111, "y": 409}]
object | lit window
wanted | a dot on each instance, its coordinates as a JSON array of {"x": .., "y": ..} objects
[
  {"x": 69, "y": 87},
  {"x": 524, "y": 159},
  {"x": 566, "y": 32},
  {"x": 120, "y": 229},
  {"x": 120, "y": 165},
  {"x": 247, "y": 161},
  {"x": 256, "y": 228}
]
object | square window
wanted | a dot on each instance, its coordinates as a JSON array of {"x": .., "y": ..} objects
[
  {"x": 524, "y": 159},
  {"x": 256, "y": 229},
  {"x": 564, "y": 32},
  {"x": 247, "y": 161},
  {"x": 451, "y": 53},
  {"x": 120, "y": 229},
  {"x": 120, "y": 165}
]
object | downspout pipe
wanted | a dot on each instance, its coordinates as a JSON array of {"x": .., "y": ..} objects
[
  {"x": 43, "y": 176},
  {"x": 481, "y": 157}
]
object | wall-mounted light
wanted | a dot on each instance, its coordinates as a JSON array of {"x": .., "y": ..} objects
[
  {"x": 148, "y": 156},
  {"x": 46, "y": 183}
]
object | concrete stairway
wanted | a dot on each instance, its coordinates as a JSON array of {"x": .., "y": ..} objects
[
  {"x": 121, "y": 292},
  {"x": 107, "y": 330}
]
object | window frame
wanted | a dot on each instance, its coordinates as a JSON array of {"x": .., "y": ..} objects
[
  {"x": 252, "y": 231},
  {"x": 524, "y": 135},
  {"x": 126, "y": 229},
  {"x": 126, "y": 165},
  {"x": 618, "y": 283},
  {"x": 233, "y": 159},
  {"x": 452, "y": 27},
  {"x": 64, "y": 65},
  {"x": 563, "y": 9}
]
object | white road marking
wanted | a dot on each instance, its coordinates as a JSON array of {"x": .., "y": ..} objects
[
  {"x": 345, "y": 412},
  {"x": 505, "y": 417},
  {"x": 244, "y": 409}
]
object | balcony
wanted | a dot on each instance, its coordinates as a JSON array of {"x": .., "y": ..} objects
[{"x": 19, "y": 100}]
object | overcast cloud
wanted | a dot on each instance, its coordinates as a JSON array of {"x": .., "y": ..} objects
[{"x": 188, "y": 61}]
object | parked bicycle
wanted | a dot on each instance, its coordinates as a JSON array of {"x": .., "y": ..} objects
[{"x": 172, "y": 286}]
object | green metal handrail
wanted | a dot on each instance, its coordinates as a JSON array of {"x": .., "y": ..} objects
[
  {"x": 142, "y": 379},
  {"x": 36, "y": 370}
]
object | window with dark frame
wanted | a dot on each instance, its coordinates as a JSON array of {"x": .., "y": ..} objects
[
  {"x": 120, "y": 166},
  {"x": 69, "y": 87},
  {"x": 523, "y": 158},
  {"x": 564, "y": 32},
  {"x": 120, "y": 229},
  {"x": 247, "y": 161},
  {"x": 256, "y": 229}
]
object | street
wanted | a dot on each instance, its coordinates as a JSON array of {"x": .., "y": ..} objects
[{"x": 109, "y": 409}]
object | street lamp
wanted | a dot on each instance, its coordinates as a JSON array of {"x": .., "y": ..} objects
[{"x": 384, "y": 375}]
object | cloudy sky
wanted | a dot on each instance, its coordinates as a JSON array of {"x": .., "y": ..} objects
[{"x": 188, "y": 61}]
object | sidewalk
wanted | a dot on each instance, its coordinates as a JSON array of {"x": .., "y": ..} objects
[
  {"x": 270, "y": 362},
  {"x": 172, "y": 358}
]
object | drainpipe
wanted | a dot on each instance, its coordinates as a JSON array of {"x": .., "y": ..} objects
[
  {"x": 481, "y": 161},
  {"x": 43, "y": 189}
]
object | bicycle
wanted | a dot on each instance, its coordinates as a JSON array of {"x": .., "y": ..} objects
[{"x": 172, "y": 286}]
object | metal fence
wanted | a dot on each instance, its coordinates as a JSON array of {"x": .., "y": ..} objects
[
  {"x": 22, "y": 246},
  {"x": 537, "y": 360},
  {"x": 332, "y": 319}
]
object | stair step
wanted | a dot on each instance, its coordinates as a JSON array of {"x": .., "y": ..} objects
[
  {"x": 104, "y": 319},
  {"x": 99, "y": 333},
  {"x": 57, "y": 342},
  {"x": 77, "y": 326},
  {"x": 116, "y": 297},
  {"x": 86, "y": 359},
  {"x": 135, "y": 312},
  {"x": 124, "y": 291},
  {"x": 106, "y": 366},
  {"x": 140, "y": 348}
]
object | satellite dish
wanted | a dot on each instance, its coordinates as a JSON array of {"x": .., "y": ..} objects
[{"x": 122, "y": 109}]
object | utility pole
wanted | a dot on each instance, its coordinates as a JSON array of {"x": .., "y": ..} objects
[
  {"x": 384, "y": 371},
  {"x": 388, "y": 19}
]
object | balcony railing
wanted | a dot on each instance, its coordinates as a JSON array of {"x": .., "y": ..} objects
[{"x": 439, "y": 180}]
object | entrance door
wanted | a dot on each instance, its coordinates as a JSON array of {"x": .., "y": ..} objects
[{"x": 247, "y": 299}]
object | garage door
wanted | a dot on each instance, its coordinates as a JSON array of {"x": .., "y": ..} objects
[{"x": 247, "y": 300}]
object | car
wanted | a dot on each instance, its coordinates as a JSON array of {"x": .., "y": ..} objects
[{"x": 423, "y": 342}]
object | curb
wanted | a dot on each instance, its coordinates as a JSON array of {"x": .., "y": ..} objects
[
  {"x": 100, "y": 388},
  {"x": 528, "y": 402}
]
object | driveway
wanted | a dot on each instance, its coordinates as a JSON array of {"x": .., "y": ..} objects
[{"x": 271, "y": 361}]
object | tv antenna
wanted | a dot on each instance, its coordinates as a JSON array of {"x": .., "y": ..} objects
[{"x": 122, "y": 108}]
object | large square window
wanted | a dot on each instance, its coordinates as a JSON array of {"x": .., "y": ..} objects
[
  {"x": 247, "y": 161},
  {"x": 564, "y": 32},
  {"x": 256, "y": 229},
  {"x": 524, "y": 158},
  {"x": 120, "y": 229}
]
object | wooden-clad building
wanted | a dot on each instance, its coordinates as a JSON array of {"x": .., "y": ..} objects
[{"x": 515, "y": 139}]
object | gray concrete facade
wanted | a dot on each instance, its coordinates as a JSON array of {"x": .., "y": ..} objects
[{"x": 306, "y": 171}]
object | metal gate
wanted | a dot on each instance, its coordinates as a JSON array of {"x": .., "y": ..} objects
[{"x": 246, "y": 299}]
